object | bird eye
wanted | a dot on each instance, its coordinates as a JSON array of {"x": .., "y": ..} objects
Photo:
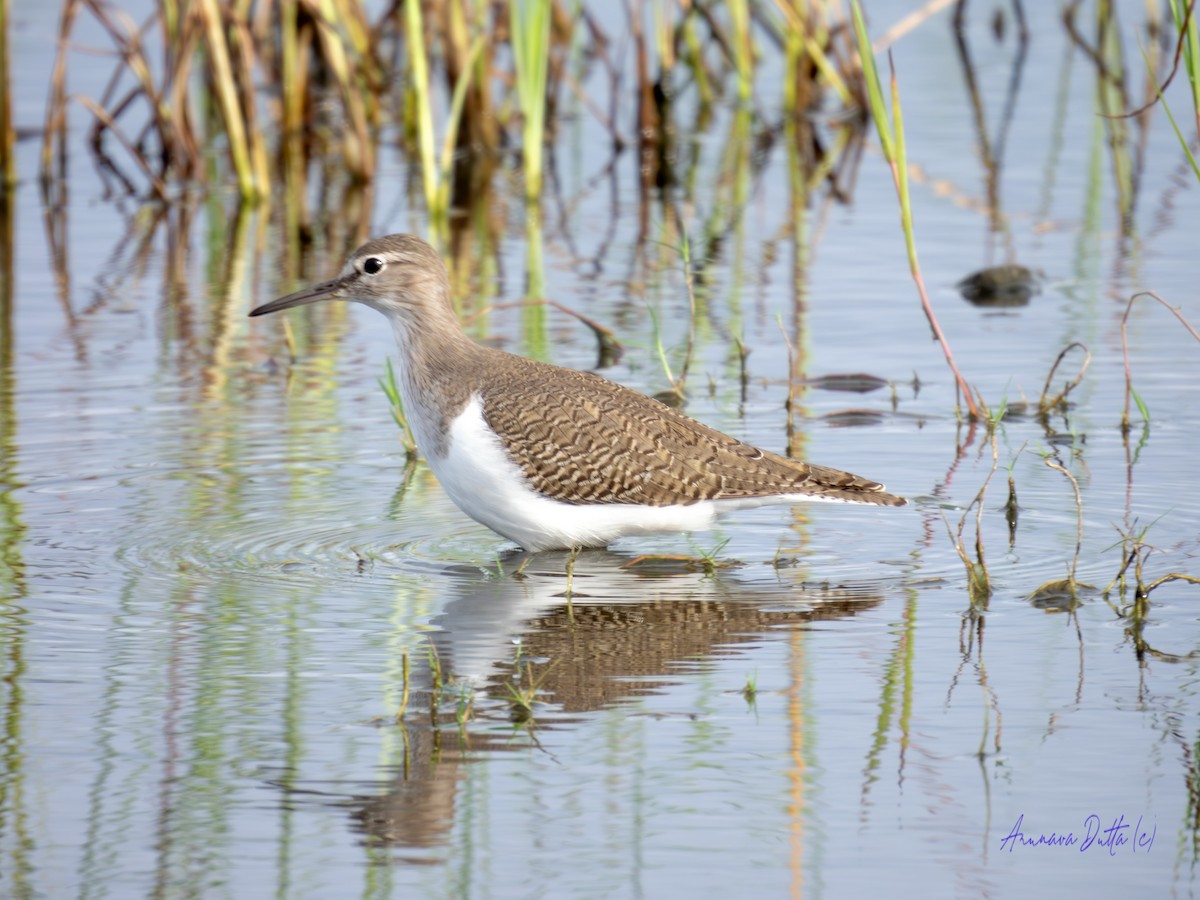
[{"x": 373, "y": 265}]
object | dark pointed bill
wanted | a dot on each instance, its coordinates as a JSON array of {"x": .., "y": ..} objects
[{"x": 326, "y": 290}]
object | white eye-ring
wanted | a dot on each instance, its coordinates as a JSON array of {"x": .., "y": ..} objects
[{"x": 373, "y": 265}]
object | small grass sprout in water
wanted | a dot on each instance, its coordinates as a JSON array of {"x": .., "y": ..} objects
[
  {"x": 523, "y": 692},
  {"x": 996, "y": 416},
  {"x": 1136, "y": 612},
  {"x": 675, "y": 396},
  {"x": 436, "y": 679},
  {"x": 1063, "y": 594},
  {"x": 1058, "y": 401},
  {"x": 708, "y": 558},
  {"x": 396, "y": 404},
  {"x": 465, "y": 708},
  {"x": 750, "y": 688},
  {"x": 672, "y": 396},
  {"x": 570, "y": 592},
  {"x": 979, "y": 584},
  {"x": 404, "y": 695},
  {"x": 1011, "y": 508}
]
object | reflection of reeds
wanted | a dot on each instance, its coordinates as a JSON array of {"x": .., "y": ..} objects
[
  {"x": 8, "y": 138},
  {"x": 743, "y": 47},
  {"x": 1187, "y": 51},
  {"x": 1107, "y": 56},
  {"x": 405, "y": 690},
  {"x": 896, "y": 696},
  {"x": 991, "y": 150},
  {"x": 1184, "y": 14}
]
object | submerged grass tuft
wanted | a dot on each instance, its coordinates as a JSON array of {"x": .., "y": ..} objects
[
  {"x": 1135, "y": 610},
  {"x": 523, "y": 692}
]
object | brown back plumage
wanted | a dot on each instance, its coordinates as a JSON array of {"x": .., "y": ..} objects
[{"x": 580, "y": 438}]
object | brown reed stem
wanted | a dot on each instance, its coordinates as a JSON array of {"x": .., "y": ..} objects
[
  {"x": 1045, "y": 405},
  {"x": 1078, "y": 513},
  {"x": 1125, "y": 344}
]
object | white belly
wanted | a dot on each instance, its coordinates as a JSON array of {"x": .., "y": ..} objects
[{"x": 485, "y": 484}]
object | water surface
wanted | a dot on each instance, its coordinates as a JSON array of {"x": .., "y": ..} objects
[{"x": 223, "y": 581}]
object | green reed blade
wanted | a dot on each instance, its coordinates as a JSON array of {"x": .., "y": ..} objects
[
  {"x": 530, "y": 27},
  {"x": 874, "y": 88}
]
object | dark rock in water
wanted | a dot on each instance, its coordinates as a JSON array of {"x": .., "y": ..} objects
[
  {"x": 1060, "y": 596},
  {"x": 857, "y": 382},
  {"x": 849, "y": 418},
  {"x": 1001, "y": 286}
]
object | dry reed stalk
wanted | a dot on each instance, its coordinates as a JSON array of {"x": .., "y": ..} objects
[
  {"x": 357, "y": 147},
  {"x": 1045, "y": 405},
  {"x": 1129, "y": 391},
  {"x": 228, "y": 100}
]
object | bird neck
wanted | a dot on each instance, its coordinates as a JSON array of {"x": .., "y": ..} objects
[{"x": 436, "y": 372}]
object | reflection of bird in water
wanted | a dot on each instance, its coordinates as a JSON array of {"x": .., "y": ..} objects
[
  {"x": 636, "y": 622},
  {"x": 600, "y": 655},
  {"x": 622, "y": 635},
  {"x": 550, "y": 457},
  {"x": 416, "y": 808}
]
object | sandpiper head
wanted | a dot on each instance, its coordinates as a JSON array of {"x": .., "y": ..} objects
[{"x": 393, "y": 274}]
